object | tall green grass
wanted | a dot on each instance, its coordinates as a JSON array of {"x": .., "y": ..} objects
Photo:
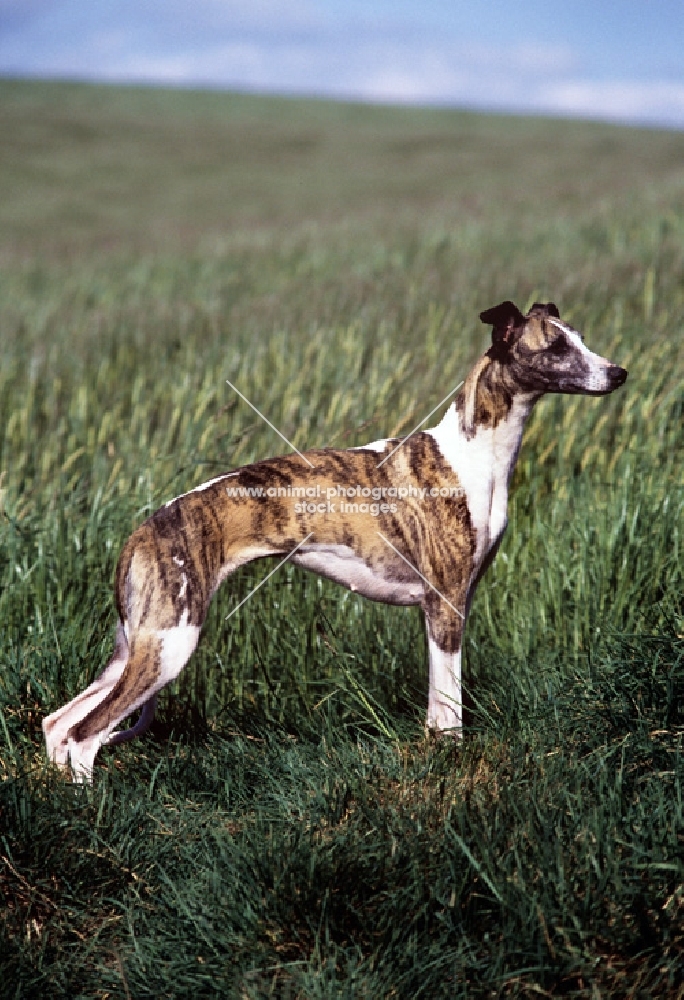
[{"x": 285, "y": 829}]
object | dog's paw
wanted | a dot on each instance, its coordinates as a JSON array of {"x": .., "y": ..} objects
[
  {"x": 82, "y": 759},
  {"x": 57, "y": 752}
]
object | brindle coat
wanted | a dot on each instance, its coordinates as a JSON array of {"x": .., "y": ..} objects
[{"x": 431, "y": 551}]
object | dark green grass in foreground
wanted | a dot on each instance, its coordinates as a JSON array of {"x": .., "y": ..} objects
[{"x": 285, "y": 830}]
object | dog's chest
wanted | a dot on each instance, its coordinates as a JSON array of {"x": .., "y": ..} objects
[{"x": 483, "y": 464}]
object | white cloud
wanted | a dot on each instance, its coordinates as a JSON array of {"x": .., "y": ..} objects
[
  {"x": 660, "y": 101},
  {"x": 370, "y": 68},
  {"x": 235, "y": 64},
  {"x": 484, "y": 77},
  {"x": 298, "y": 46}
]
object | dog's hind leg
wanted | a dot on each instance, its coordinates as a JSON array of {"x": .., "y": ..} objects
[
  {"x": 57, "y": 725},
  {"x": 156, "y": 657}
]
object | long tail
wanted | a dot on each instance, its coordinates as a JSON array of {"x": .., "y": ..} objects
[{"x": 141, "y": 726}]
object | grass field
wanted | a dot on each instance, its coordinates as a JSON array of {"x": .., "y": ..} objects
[{"x": 286, "y": 830}]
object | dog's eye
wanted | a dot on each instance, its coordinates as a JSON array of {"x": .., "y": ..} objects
[{"x": 559, "y": 347}]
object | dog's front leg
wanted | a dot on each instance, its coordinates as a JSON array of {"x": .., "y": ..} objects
[
  {"x": 445, "y": 622},
  {"x": 445, "y": 700}
]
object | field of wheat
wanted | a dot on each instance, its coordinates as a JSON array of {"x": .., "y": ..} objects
[{"x": 285, "y": 829}]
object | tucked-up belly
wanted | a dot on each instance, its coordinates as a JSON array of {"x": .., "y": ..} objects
[{"x": 341, "y": 564}]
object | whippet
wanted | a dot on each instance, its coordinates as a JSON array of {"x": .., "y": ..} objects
[{"x": 412, "y": 522}]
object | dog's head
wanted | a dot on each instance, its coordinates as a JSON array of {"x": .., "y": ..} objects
[{"x": 543, "y": 354}]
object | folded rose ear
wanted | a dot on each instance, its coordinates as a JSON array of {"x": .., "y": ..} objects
[
  {"x": 550, "y": 308},
  {"x": 505, "y": 318},
  {"x": 502, "y": 315}
]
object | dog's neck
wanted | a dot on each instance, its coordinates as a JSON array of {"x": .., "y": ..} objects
[
  {"x": 487, "y": 417},
  {"x": 491, "y": 400},
  {"x": 480, "y": 437}
]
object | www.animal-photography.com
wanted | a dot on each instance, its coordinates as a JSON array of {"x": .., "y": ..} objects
[{"x": 341, "y": 501}]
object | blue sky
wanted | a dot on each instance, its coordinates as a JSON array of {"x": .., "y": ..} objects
[{"x": 617, "y": 59}]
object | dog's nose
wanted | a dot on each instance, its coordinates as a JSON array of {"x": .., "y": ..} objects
[{"x": 616, "y": 376}]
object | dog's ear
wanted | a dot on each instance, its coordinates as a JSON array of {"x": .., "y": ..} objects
[
  {"x": 503, "y": 315},
  {"x": 550, "y": 308},
  {"x": 506, "y": 318}
]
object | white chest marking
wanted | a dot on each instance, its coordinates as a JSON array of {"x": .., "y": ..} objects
[
  {"x": 472, "y": 461},
  {"x": 483, "y": 464}
]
